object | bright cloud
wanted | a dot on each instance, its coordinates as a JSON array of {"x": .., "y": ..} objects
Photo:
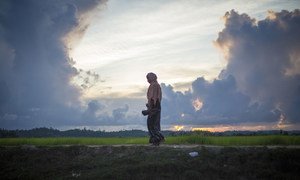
[
  {"x": 83, "y": 63},
  {"x": 172, "y": 38}
]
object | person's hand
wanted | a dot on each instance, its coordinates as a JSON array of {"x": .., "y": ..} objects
[{"x": 145, "y": 112}]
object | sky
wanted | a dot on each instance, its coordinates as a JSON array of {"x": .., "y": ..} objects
[{"x": 222, "y": 65}]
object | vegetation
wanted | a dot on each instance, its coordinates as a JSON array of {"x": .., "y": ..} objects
[
  {"x": 49, "y": 136},
  {"x": 50, "y": 132},
  {"x": 184, "y": 139},
  {"x": 144, "y": 162},
  {"x": 236, "y": 140},
  {"x": 38, "y": 154}
]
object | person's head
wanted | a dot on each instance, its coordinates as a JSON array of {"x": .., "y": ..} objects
[{"x": 151, "y": 77}]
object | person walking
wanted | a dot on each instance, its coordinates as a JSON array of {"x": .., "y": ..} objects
[{"x": 154, "y": 97}]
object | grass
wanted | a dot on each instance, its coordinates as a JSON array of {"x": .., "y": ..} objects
[
  {"x": 145, "y": 162},
  {"x": 191, "y": 139},
  {"x": 70, "y": 141},
  {"x": 236, "y": 140}
]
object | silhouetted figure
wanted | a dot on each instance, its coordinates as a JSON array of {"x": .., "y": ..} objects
[{"x": 153, "y": 111}]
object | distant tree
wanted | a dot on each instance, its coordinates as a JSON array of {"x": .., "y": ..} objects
[
  {"x": 7, "y": 133},
  {"x": 50, "y": 132}
]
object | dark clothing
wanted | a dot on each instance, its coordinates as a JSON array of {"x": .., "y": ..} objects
[{"x": 153, "y": 123}]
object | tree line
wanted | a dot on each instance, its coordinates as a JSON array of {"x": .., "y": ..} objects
[{"x": 51, "y": 132}]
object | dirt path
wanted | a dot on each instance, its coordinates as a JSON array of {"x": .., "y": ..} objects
[
  {"x": 175, "y": 146},
  {"x": 125, "y": 161}
]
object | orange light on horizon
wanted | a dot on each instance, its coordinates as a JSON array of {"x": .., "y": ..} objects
[
  {"x": 203, "y": 129},
  {"x": 213, "y": 129},
  {"x": 222, "y": 128},
  {"x": 178, "y": 128}
]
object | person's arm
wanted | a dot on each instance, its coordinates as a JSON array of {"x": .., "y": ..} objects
[
  {"x": 146, "y": 112},
  {"x": 152, "y": 107}
]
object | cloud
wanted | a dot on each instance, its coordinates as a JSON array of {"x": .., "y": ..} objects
[
  {"x": 119, "y": 113},
  {"x": 261, "y": 82},
  {"x": 37, "y": 74},
  {"x": 98, "y": 113},
  {"x": 35, "y": 68},
  {"x": 87, "y": 79},
  {"x": 93, "y": 107},
  {"x": 174, "y": 104},
  {"x": 262, "y": 58}
]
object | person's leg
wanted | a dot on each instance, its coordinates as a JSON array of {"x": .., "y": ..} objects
[
  {"x": 153, "y": 129},
  {"x": 150, "y": 129},
  {"x": 157, "y": 136},
  {"x": 158, "y": 121},
  {"x": 161, "y": 137}
]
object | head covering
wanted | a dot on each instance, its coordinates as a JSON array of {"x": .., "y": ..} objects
[
  {"x": 151, "y": 77},
  {"x": 154, "y": 90}
]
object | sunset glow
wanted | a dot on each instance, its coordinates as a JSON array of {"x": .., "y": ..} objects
[
  {"x": 231, "y": 128},
  {"x": 178, "y": 128},
  {"x": 225, "y": 65}
]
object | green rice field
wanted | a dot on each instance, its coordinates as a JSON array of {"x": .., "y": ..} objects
[{"x": 189, "y": 139}]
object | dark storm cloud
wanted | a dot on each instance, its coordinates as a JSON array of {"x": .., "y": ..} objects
[
  {"x": 264, "y": 59},
  {"x": 224, "y": 103},
  {"x": 93, "y": 107},
  {"x": 174, "y": 104},
  {"x": 261, "y": 82},
  {"x": 97, "y": 114},
  {"x": 35, "y": 69},
  {"x": 120, "y": 113}
]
